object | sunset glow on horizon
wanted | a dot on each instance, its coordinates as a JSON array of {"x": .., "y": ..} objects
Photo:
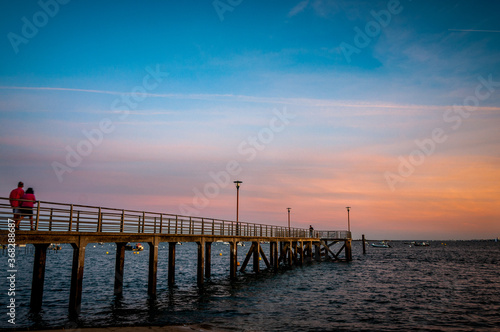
[{"x": 389, "y": 107}]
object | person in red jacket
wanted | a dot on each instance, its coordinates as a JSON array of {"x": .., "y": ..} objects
[
  {"x": 14, "y": 197},
  {"x": 27, "y": 202}
]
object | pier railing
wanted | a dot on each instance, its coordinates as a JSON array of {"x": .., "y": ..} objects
[{"x": 62, "y": 217}]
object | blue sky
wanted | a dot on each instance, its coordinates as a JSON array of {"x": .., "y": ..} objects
[{"x": 222, "y": 78}]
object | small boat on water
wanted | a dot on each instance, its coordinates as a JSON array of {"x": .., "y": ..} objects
[
  {"x": 421, "y": 244},
  {"x": 54, "y": 246},
  {"x": 137, "y": 247},
  {"x": 381, "y": 244}
]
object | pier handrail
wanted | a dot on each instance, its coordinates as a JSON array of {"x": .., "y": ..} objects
[{"x": 54, "y": 216}]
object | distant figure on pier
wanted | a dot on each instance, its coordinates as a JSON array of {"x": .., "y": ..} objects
[
  {"x": 27, "y": 206},
  {"x": 14, "y": 203},
  {"x": 311, "y": 231}
]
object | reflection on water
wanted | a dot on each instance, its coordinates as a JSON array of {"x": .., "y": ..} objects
[{"x": 401, "y": 288}]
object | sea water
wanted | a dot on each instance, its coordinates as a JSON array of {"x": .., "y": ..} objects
[{"x": 448, "y": 286}]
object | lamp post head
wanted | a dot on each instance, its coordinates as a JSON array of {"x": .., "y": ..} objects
[
  {"x": 348, "y": 207},
  {"x": 238, "y": 184},
  {"x": 288, "y": 209}
]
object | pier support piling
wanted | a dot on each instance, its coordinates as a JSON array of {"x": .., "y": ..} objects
[
  {"x": 348, "y": 250},
  {"x": 119, "y": 266},
  {"x": 38, "y": 276},
  {"x": 309, "y": 251},
  {"x": 75, "y": 295},
  {"x": 274, "y": 255},
  {"x": 256, "y": 256},
  {"x": 171, "y": 263},
  {"x": 201, "y": 262},
  {"x": 233, "y": 259},
  {"x": 153, "y": 267},
  {"x": 317, "y": 251},
  {"x": 208, "y": 259}
]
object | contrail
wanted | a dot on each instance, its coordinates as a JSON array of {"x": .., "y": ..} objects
[
  {"x": 471, "y": 30},
  {"x": 58, "y": 89}
]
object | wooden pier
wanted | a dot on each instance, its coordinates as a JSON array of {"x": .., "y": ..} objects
[{"x": 80, "y": 225}]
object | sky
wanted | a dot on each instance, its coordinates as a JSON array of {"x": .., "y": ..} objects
[{"x": 389, "y": 107}]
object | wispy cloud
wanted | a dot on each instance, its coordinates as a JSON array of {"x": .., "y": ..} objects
[
  {"x": 472, "y": 30},
  {"x": 298, "y": 8},
  {"x": 309, "y": 102}
]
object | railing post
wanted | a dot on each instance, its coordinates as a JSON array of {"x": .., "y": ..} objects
[
  {"x": 143, "y": 220},
  {"x": 190, "y": 226},
  {"x": 70, "y": 218},
  {"x": 139, "y": 225},
  {"x": 50, "y": 220},
  {"x": 176, "y": 219},
  {"x": 213, "y": 226},
  {"x": 122, "y": 221},
  {"x": 222, "y": 228},
  {"x": 37, "y": 215},
  {"x": 161, "y": 223},
  {"x": 202, "y": 226},
  {"x": 78, "y": 221},
  {"x": 99, "y": 221},
  {"x": 155, "y": 226}
]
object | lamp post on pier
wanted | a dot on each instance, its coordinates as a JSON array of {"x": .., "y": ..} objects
[
  {"x": 288, "y": 220},
  {"x": 237, "y": 206},
  {"x": 348, "y": 220}
]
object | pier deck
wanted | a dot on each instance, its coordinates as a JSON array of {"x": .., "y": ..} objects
[{"x": 80, "y": 225}]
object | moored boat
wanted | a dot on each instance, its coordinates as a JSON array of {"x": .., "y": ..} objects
[
  {"x": 381, "y": 244},
  {"x": 137, "y": 247},
  {"x": 54, "y": 246}
]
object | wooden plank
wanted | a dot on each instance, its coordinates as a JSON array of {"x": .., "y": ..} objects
[
  {"x": 327, "y": 248},
  {"x": 340, "y": 250},
  {"x": 263, "y": 255},
  {"x": 247, "y": 258}
]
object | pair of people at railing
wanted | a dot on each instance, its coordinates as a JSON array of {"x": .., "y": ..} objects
[{"x": 22, "y": 204}]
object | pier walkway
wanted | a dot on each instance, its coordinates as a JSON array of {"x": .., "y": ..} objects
[{"x": 80, "y": 225}]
